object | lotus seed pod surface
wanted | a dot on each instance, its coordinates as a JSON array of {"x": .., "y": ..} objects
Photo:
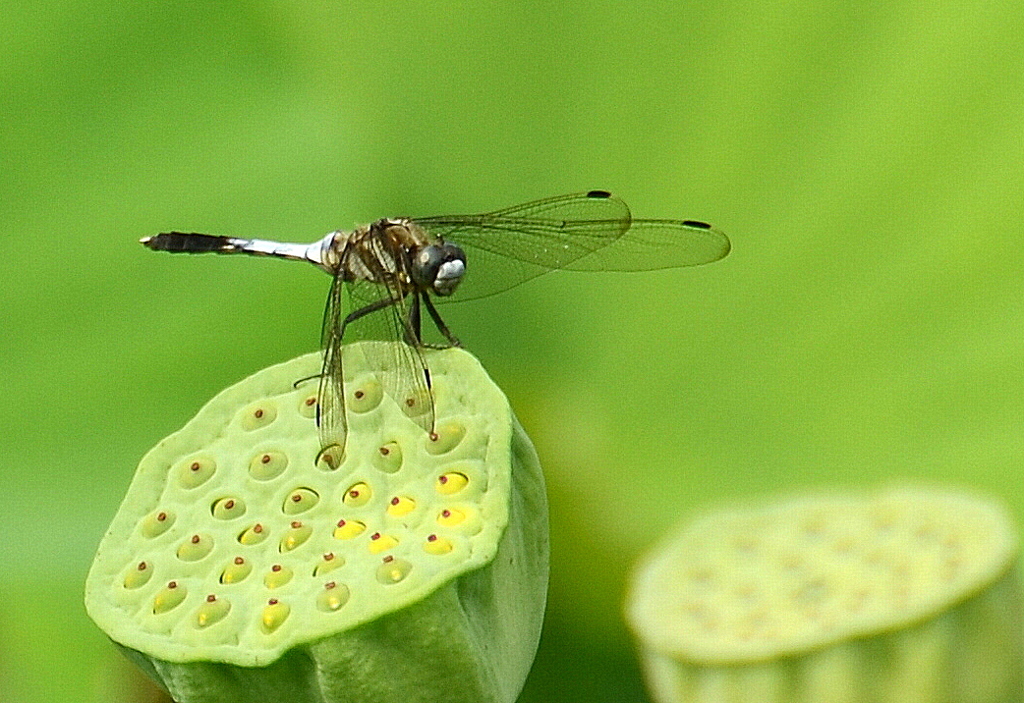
[
  {"x": 237, "y": 545},
  {"x": 910, "y": 594}
]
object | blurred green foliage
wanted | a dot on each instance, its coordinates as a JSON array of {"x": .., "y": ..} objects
[{"x": 866, "y": 159}]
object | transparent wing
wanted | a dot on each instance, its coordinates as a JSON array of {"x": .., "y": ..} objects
[
  {"x": 332, "y": 424},
  {"x": 649, "y": 245},
  {"x": 402, "y": 370},
  {"x": 592, "y": 231}
]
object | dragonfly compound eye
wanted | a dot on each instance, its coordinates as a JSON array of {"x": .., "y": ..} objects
[{"x": 440, "y": 267}]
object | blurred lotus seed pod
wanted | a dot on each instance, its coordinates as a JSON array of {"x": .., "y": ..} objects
[
  {"x": 412, "y": 568},
  {"x": 906, "y": 595}
]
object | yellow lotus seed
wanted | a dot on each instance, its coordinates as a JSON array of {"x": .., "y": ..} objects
[
  {"x": 296, "y": 535},
  {"x": 450, "y": 517},
  {"x": 138, "y": 575},
  {"x": 236, "y": 571},
  {"x": 388, "y": 458},
  {"x": 330, "y": 458},
  {"x": 364, "y": 397},
  {"x": 415, "y": 405},
  {"x": 212, "y": 610},
  {"x": 332, "y": 597},
  {"x": 381, "y": 543},
  {"x": 451, "y": 482},
  {"x": 400, "y": 505},
  {"x": 358, "y": 494},
  {"x": 227, "y": 508},
  {"x": 307, "y": 407},
  {"x": 328, "y": 562},
  {"x": 445, "y": 438},
  {"x": 299, "y": 501},
  {"x": 196, "y": 472},
  {"x": 195, "y": 547},
  {"x": 347, "y": 529},
  {"x": 259, "y": 415},
  {"x": 277, "y": 576},
  {"x": 437, "y": 545},
  {"x": 169, "y": 597},
  {"x": 253, "y": 535},
  {"x": 156, "y": 523},
  {"x": 274, "y": 614},
  {"x": 267, "y": 465},
  {"x": 393, "y": 570}
]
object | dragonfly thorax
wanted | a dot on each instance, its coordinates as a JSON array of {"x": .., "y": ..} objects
[{"x": 399, "y": 254}]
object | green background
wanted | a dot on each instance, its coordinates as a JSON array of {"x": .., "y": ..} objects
[{"x": 867, "y": 160}]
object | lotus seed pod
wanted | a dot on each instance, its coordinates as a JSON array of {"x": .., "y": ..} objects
[
  {"x": 244, "y": 567},
  {"x": 907, "y": 595}
]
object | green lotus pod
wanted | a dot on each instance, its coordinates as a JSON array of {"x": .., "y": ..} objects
[
  {"x": 907, "y": 595},
  {"x": 412, "y": 568}
]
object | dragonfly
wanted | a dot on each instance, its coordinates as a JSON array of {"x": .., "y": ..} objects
[{"x": 392, "y": 271}]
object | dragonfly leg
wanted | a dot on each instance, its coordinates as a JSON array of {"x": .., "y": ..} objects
[
  {"x": 304, "y": 379},
  {"x": 441, "y": 326},
  {"x": 413, "y": 331},
  {"x": 364, "y": 311}
]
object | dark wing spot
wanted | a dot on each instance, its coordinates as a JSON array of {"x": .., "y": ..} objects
[
  {"x": 696, "y": 223},
  {"x": 599, "y": 194}
]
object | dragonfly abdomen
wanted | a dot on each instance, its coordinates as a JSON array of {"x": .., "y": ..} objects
[
  {"x": 195, "y": 243},
  {"x": 190, "y": 243}
]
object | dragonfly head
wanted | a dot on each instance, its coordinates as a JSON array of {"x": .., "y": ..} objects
[{"x": 439, "y": 267}]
